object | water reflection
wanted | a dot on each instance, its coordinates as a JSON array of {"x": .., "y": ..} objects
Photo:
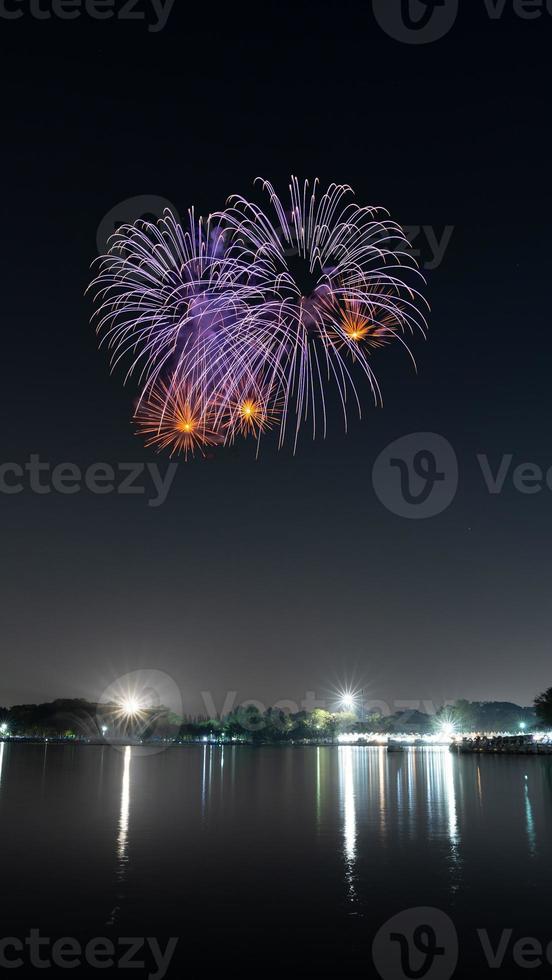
[
  {"x": 221, "y": 774},
  {"x": 382, "y": 784},
  {"x": 122, "y": 838},
  {"x": 442, "y": 807},
  {"x": 2, "y": 747},
  {"x": 345, "y": 835},
  {"x": 450, "y": 800},
  {"x": 318, "y": 789},
  {"x": 122, "y": 833},
  {"x": 206, "y": 759},
  {"x": 441, "y": 794},
  {"x": 530, "y": 820},
  {"x": 348, "y": 808},
  {"x": 411, "y": 795},
  {"x": 101, "y": 773},
  {"x": 44, "y": 764}
]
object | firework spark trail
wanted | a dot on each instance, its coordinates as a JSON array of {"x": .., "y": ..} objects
[
  {"x": 355, "y": 257},
  {"x": 159, "y": 287},
  {"x": 236, "y": 324},
  {"x": 171, "y": 419}
]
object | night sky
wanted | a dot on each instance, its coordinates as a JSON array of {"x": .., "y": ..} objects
[{"x": 282, "y": 575}]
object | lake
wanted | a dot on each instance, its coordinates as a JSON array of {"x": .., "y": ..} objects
[{"x": 279, "y": 859}]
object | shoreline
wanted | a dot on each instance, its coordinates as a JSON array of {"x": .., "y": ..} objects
[{"x": 483, "y": 745}]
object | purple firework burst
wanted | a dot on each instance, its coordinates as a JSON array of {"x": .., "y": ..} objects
[
  {"x": 337, "y": 281},
  {"x": 241, "y": 321},
  {"x": 165, "y": 296}
]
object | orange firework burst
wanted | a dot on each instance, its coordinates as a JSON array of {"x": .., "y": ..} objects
[
  {"x": 251, "y": 411},
  {"x": 170, "y": 420},
  {"x": 355, "y": 326},
  {"x": 250, "y": 415}
]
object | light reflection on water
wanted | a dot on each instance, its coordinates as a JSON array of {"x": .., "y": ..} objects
[
  {"x": 531, "y": 835},
  {"x": 44, "y": 766},
  {"x": 408, "y": 795},
  {"x": 345, "y": 835},
  {"x": 442, "y": 794},
  {"x": 378, "y": 788},
  {"x": 347, "y": 787},
  {"x": 122, "y": 837},
  {"x": 122, "y": 833}
]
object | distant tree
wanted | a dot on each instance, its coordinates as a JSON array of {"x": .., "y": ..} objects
[
  {"x": 322, "y": 723},
  {"x": 301, "y": 725},
  {"x": 464, "y": 716},
  {"x": 374, "y": 722},
  {"x": 188, "y": 729},
  {"x": 252, "y": 721},
  {"x": 543, "y": 707},
  {"x": 486, "y": 716},
  {"x": 278, "y": 724},
  {"x": 345, "y": 721}
]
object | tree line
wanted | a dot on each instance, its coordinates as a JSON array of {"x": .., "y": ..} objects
[{"x": 78, "y": 718}]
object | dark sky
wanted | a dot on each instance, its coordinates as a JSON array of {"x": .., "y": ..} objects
[{"x": 287, "y": 574}]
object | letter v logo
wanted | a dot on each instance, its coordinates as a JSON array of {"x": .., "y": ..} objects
[{"x": 416, "y": 21}]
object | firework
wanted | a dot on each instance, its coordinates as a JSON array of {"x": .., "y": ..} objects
[
  {"x": 163, "y": 294},
  {"x": 335, "y": 279},
  {"x": 251, "y": 410},
  {"x": 240, "y": 324},
  {"x": 353, "y": 325},
  {"x": 171, "y": 419}
]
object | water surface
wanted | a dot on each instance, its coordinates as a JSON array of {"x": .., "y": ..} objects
[{"x": 289, "y": 858}]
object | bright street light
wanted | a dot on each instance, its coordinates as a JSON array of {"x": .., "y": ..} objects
[
  {"x": 448, "y": 729},
  {"x": 130, "y": 706},
  {"x": 348, "y": 701}
]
